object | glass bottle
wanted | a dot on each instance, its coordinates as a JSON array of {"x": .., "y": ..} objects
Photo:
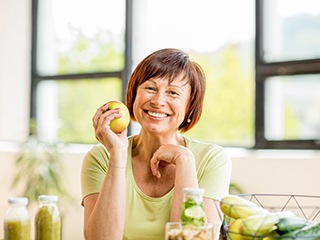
[
  {"x": 17, "y": 221},
  {"x": 192, "y": 209},
  {"x": 47, "y": 219}
]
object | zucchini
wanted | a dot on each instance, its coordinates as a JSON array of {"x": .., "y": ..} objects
[
  {"x": 309, "y": 232},
  {"x": 290, "y": 224}
]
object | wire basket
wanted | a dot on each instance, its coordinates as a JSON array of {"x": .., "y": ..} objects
[{"x": 304, "y": 206}]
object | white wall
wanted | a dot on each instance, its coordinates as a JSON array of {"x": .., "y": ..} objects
[
  {"x": 14, "y": 68},
  {"x": 278, "y": 171}
]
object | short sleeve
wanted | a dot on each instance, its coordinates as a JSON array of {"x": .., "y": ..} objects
[
  {"x": 216, "y": 173},
  {"x": 93, "y": 170}
]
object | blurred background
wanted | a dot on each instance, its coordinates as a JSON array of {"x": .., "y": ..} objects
[{"x": 61, "y": 59}]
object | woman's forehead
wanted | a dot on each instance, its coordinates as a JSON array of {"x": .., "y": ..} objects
[{"x": 179, "y": 80}]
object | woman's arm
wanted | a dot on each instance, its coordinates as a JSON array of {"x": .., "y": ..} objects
[
  {"x": 185, "y": 175},
  {"x": 104, "y": 212},
  {"x": 214, "y": 215}
]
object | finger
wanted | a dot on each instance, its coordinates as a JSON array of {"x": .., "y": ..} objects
[
  {"x": 102, "y": 125},
  {"x": 154, "y": 165},
  {"x": 104, "y": 108},
  {"x": 108, "y": 116},
  {"x": 155, "y": 171},
  {"x": 95, "y": 120},
  {"x": 96, "y": 117},
  {"x": 103, "y": 114}
]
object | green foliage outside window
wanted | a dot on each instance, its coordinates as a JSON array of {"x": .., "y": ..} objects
[
  {"x": 291, "y": 126},
  {"x": 78, "y": 101},
  {"x": 228, "y": 114},
  {"x": 96, "y": 54}
]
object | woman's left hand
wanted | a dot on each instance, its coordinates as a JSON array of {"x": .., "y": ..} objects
[{"x": 168, "y": 154}]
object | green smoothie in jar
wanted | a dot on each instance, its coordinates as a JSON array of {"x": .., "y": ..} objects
[
  {"x": 16, "y": 230},
  {"x": 47, "y": 220},
  {"x": 16, "y": 221}
]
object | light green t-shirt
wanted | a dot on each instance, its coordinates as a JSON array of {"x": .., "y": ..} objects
[{"x": 146, "y": 216}]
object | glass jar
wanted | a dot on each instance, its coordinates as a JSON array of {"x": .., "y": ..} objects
[
  {"x": 47, "y": 219},
  {"x": 192, "y": 209},
  {"x": 16, "y": 220}
]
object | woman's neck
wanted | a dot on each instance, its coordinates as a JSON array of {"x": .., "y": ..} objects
[{"x": 145, "y": 144}]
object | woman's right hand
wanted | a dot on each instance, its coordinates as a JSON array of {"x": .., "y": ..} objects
[
  {"x": 101, "y": 121},
  {"x": 101, "y": 220}
]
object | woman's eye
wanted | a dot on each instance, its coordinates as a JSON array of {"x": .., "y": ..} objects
[
  {"x": 174, "y": 93},
  {"x": 150, "y": 88}
]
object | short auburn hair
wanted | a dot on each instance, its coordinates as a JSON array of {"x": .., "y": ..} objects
[{"x": 170, "y": 63}]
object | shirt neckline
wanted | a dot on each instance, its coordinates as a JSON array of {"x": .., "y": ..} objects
[{"x": 133, "y": 181}]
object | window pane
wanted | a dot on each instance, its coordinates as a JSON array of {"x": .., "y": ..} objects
[
  {"x": 66, "y": 108},
  {"x": 291, "y": 30},
  {"x": 292, "y": 107},
  {"x": 78, "y": 36},
  {"x": 219, "y": 36}
]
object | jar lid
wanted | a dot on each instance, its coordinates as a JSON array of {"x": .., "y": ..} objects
[
  {"x": 48, "y": 198},
  {"x": 18, "y": 200},
  {"x": 194, "y": 190}
]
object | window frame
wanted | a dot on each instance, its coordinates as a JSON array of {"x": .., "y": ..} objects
[
  {"x": 269, "y": 69},
  {"x": 36, "y": 78}
]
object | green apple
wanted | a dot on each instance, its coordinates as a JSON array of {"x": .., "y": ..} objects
[{"x": 117, "y": 125}]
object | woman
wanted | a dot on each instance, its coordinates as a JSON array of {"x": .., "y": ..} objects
[{"x": 133, "y": 185}]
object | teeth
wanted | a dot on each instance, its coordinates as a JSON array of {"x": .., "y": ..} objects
[{"x": 158, "y": 115}]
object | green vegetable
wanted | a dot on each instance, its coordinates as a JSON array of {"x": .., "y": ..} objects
[
  {"x": 309, "y": 232},
  {"x": 290, "y": 224},
  {"x": 260, "y": 225}
]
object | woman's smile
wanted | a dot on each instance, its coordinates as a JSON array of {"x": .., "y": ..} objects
[{"x": 158, "y": 115}]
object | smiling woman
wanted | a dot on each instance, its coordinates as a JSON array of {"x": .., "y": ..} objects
[{"x": 132, "y": 182}]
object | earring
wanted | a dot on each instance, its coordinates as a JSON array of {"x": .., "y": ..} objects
[{"x": 188, "y": 120}]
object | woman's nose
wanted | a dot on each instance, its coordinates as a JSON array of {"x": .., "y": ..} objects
[{"x": 158, "y": 99}]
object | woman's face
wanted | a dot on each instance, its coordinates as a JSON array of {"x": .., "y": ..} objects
[{"x": 160, "y": 106}]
